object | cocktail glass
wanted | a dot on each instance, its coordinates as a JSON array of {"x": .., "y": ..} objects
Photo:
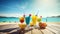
[
  {"x": 22, "y": 19},
  {"x": 34, "y": 19},
  {"x": 27, "y": 19},
  {"x": 39, "y": 19},
  {"x": 22, "y": 28}
]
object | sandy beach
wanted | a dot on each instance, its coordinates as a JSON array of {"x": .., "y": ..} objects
[{"x": 52, "y": 28}]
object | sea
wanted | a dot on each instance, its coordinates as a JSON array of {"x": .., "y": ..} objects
[{"x": 12, "y": 19}]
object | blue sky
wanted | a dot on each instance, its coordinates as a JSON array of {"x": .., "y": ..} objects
[{"x": 17, "y": 8}]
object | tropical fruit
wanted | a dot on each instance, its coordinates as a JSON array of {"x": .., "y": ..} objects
[{"x": 42, "y": 25}]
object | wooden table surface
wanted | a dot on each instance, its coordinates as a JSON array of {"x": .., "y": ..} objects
[{"x": 50, "y": 29}]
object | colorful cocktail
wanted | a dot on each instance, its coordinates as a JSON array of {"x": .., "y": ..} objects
[
  {"x": 34, "y": 19},
  {"x": 31, "y": 24},
  {"x": 22, "y": 26},
  {"x": 39, "y": 19},
  {"x": 22, "y": 19},
  {"x": 27, "y": 19}
]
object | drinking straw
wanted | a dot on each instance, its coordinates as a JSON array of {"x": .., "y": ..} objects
[{"x": 37, "y": 12}]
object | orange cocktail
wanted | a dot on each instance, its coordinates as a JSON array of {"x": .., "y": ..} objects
[{"x": 21, "y": 19}]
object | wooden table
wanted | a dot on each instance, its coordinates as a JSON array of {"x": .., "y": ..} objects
[{"x": 50, "y": 29}]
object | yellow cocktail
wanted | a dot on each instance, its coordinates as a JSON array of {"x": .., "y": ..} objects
[
  {"x": 34, "y": 19},
  {"x": 31, "y": 24},
  {"x": 22, "y": 26}
]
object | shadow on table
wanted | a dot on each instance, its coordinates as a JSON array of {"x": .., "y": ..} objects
[
  {"x": 8, "y": 30},
  {"x": 19, "y": 31}
]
